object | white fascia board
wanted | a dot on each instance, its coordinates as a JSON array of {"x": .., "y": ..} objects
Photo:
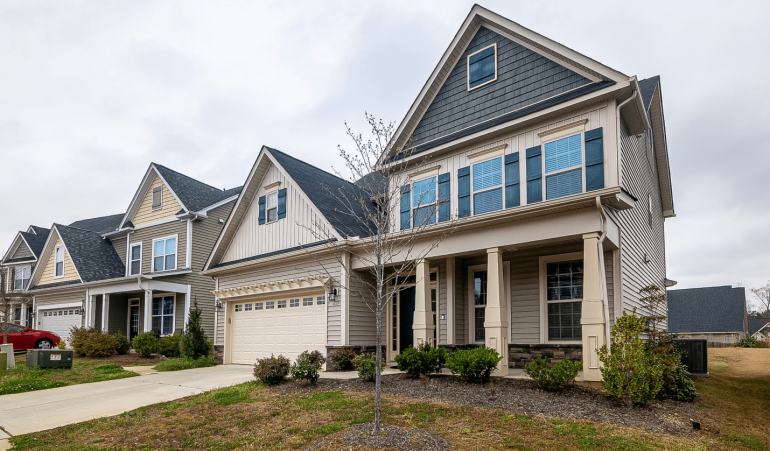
[{"x": 14, "y": 245}]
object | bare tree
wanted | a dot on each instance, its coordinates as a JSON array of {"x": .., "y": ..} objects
[
  {"x": 653, "y": 300},
  {"x": 763, "y": 296},
  {"x": 379, "y": 176}
]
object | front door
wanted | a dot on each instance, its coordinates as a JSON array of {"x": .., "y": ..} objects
[
  {"x": 133, "y": 316},
  {"x": 406, "y": 318}
]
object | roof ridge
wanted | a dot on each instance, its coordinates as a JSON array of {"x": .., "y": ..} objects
[
  {"x": 308, "y": 164},
  {"x": 187, "y": 176}
]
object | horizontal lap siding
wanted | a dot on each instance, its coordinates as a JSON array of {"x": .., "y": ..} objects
[
  {"x": 145, "y": 236},
  {"x": 608, "y": 265},
  {"x": 22, "y": 251},
  {"x": 119, "y": 313},
  {"x": 120, "y": 247},
  {"x": 169, "y": 206},
  {"x": 441, "y": 301},
  {"x": 51, "y": 299},
  {"x": 48, "y": 271},
  {"x": 201, "y": 288},
  {"x": 461, "y": 304},
  {"x": 362, "y": 297}
]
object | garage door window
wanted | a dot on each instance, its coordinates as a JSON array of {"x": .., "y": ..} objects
[
  {"x": 320, "y": 300},
  {"x": 258, "y": 306},
  {"x": 239, "y": 307},
  {"x": 294, "y": 303},
  {"x": 163, "y": 315},
  {"x": 247, "y": 307},
  {"x": 282, "y": 304},
  {"x": 307, "y": 301},
  {"x": 269, "y": 305}
]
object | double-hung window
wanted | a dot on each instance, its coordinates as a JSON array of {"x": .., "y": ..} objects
[
  {"x": 21, "y": 277},
  {"x": 482, "y": 67},
  {"x": 135, "y": 259},
  {"x": 164, "y": 254},
  {"x": 564, "y": 167},
  {"x": 488, "y": 186},
  {"x": 59, "y": 261},
  {"x": 163, "y": 314},
  {"x": 424, "y": 202},
  {"x": 564, "y": 288},
  {"x": 272, "y": 207}
]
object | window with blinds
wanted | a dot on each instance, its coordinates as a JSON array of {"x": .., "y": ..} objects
[
  {"x": 482, "y": 67},
  {"x": 564, "y": 285},
  {"x": 424, "y": 202},
  {"x": 564, "y": 163},
  {"x": 488, "y": 186}
]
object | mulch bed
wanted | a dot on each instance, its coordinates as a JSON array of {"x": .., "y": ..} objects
[
  {"x": 359, "y": 437},
  {"x": 523, "y": 397}
]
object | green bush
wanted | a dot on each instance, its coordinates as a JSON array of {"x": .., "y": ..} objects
[
  {"x": 122, "y": 345},
  {"x": 475, "y": 365},
  {"x": 169, "y": 346},
  {"x": 145, "y": 344},
  {"x": 677, "y": 384},
  {"x": 366, "y": 366},
  {"x": 92, "y": 342},
  {"x": 62, "y": 344},
  {"x": 748, "y": 342},
  {"x": 631, "y": 369},
  {"x": 342, "y": 359},
  {"x": 185, "y": 364},
  {"x": 553, "y": 378},
  {"x": 423, "y": 360},
  {"x": 194, "y": 343},
  {"x": 272, "y": 370},
  {"x": 307, "y": 366}
]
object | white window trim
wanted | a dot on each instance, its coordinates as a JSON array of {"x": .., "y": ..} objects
[
  {"x": 413, "y": 208},
  {"x": 544, "y": 295},
  {"x": 176, "y": 259},
  {"x": 472, "y": 306},
  {"x": 267, "y": 215},
  {"x": 468, "y": 69},
  {"x": 63, "y": 260},
  {"x": 582, "y": 166},
  {"x": 501, "y": 186},
  {"x": 390, "y": 354},
  {"x": 16, "y": 272},
  {"x": 162, "y": 295},
  {"x": 139, "y": 245},
  {"x": 152, "y": 193}
]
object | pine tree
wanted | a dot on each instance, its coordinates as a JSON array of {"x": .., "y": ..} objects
[{"x": 194, "y": 343}]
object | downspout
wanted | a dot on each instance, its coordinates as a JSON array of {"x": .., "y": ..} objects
[
  {"x": 602, "y": 272},
  {"x": 617, "y": 130}
]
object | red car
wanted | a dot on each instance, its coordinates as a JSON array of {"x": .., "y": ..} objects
[{"x": 23, "y": 338}]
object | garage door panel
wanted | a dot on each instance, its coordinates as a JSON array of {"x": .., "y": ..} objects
[{"x": 59, "y": 321}]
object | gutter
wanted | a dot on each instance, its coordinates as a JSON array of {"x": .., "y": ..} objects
[
  {"x": 602, "y": 272},
  {"x": 617, "y": 131}
]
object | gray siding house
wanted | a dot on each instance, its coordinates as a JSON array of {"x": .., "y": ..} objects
[
  {"x": 17, "y": 265},
  {"x": 555, "y": 168}
]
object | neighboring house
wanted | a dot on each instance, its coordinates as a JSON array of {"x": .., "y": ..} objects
[
  {"x": 17, "y": 266},
  {"x": 135, "y": 271},
  {"x": 557, "y": 167},
  {"x": 717, "y": 314},
  {"x": 759, "y": 328}
]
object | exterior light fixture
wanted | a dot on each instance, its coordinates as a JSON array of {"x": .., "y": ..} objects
[
  {"x": 332, "y": 295},
  {"x": 218, "y": 305}
]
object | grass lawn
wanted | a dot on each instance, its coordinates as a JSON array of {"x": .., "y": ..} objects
[
  {"x": 22, "y": 379},
  {"x": 179, "y": 364}
]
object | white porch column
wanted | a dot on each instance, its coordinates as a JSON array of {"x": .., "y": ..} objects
[
  {"x": 105, "y": 312},
  {"x": 592, "y": 310},
  {"x": 147, "y": 310},
  {"x": 496, "y": 313},
  {"x": 91, "y": 319},
  {"x": 187, "y": 304},
  {"x": 423, "y": 326}
]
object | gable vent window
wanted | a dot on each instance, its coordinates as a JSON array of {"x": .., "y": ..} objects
[
  {"x": 564, "y": 163},
  {"x": 59, "y": 261},
  {"x": 482, "y": 67},
  {"x": 272, "y": 207},
  {"x": 488, "y": 186},
  {"x": 157, "y": 197},
  {"x": 424, "y": 202}
]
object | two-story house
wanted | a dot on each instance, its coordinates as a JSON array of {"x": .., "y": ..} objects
[
  {"x": 556, "y": 168},
  {"x": 135, "y": 271},
  {"x": 17, "y": 265}
]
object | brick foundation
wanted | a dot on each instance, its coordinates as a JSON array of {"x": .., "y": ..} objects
[
  {"x": 522, "y": 354},
  {"x": 219, "y": 353}
]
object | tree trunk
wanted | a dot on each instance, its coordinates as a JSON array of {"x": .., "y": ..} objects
[{"x": 378, "y": 364}]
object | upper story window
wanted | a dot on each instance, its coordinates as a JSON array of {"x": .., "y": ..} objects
[
  {"x": 564, "y": 167},
  {"x": 487, "y": 186},
  {"x": 21, "y": 277},
  {"x": 164, "y": 254},
  {"x": 135, "y": 259},
  {"x": 59, "y": 261},
  {"x": 272, "y": 207},
  {"x": 424, "y": 202},
  {"x": 564, "y": 296},
  {"x": 157, "y": 197},
  {"x": 482, "y": 67}
]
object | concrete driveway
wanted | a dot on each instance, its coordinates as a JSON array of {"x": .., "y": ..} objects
[{"x": 47, "y": 409}]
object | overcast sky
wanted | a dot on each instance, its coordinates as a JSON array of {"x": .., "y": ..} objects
[{"x": 92, "y": 92}]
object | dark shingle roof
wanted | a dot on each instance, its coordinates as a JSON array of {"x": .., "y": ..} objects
[
  {"x": 647, "y": 88},
  {"x": 94, "y": 257},
  {"x": 194, "y": 195},
  {"x": 54, "y": 285},
  {"x": 325, "y": 191},
  {"x": 757, "y": 323},
  {"x": 40, "y": 230},
  {"x": 99, "y": 225},
  {"x": 712, "y": 309},
  {"x": 36, "y": 242}
]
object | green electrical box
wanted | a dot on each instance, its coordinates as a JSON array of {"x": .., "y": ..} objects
[
  {"x": 49, "y": 358},
  {"x": 3, "y": 361}
]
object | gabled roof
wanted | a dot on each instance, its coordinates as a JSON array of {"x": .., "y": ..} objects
[
  {"x": 35, "y": 241},
  {"x": 647, "y": 88},
  {"x": 755, "y": 324},
  {"x": 193, "y": 194},
  {"x": 99, "y": 225},
  {"x": 38, "y": 230},
  {"x": 31, "y": 240},
  {"x": 652, "y": 98},
  {"x": 712, "y": 309}
]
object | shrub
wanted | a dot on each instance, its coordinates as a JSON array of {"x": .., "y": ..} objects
[
  {"x": 677, "y": 384},
  {"x": 631, "y": 369},
  {"x": 366, "y": 366},
  {"x": 342, "y": 359},
  {"x": 145, "y": 344},
  {"x": 272, "y": 370},
  {"x": 307, "y": 366},
  {"x": 62, "y": 344},
  {"x": 185, "y": 364},
  {"x": 194, "y": 343},
  {"x": 169, "y": 345},
  {"x": 423, "y": 360},
  {"x": 553, "y": 378},
  {"x": 475, "y": 365},
  {"x": 91, "y": 342},
  {"x": 122, "y": 345},
  {"x": 748, "y": 342}
]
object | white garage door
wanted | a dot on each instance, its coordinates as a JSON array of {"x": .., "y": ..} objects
[
  {"x": 280, "y": 326},
  {"x": 59, "y": 321}
]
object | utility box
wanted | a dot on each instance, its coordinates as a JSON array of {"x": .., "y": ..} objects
[
  {"x": 49, "y": 358},
  {"x": 694, "y": 355},
  {"x": 3, "y": 361}
]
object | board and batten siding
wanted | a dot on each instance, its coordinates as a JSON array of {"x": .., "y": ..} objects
[
  {"x": 297, "y": 228},
  {"x": 169, "y": 206},
  {"x": 48, "y": 271},
  {"x": 602, "y": 115},
  {"x": 22, "y": 251},
  {"x": 146, "y": 235},
  {"x": 639, "y": 239}
]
